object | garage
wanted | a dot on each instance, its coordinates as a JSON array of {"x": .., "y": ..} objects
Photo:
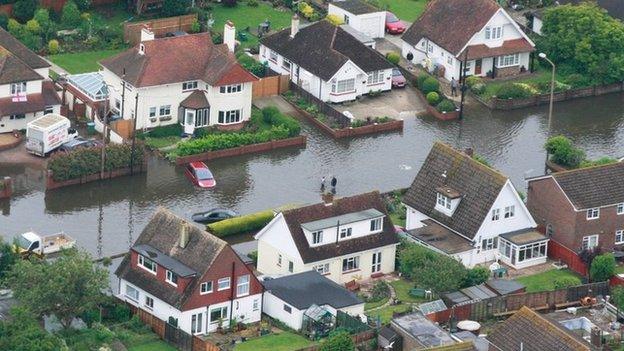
[{"x": 360, "y": 16}]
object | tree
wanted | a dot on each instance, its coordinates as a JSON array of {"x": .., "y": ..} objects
[
  {"x": 4, "y": 20},
  {"x": 334, "y": 19},
  {"x": 23, "y": 10},
  {"x": 42, "y": 16},
  {"x": 65, "y": 287},
  {"x": 602, "y": 267},
  {"x": 338, "y": 340},
  {"x": 70, "y": 16},
  {"x": 476, "y": 276},
  {"x": 83, "y": 5},
  {"x": 175, "y": 7},
  {"x": 430, "y": 269},
  {"x": 8, "y": 257},
  {"x": 23, "y": 333}
]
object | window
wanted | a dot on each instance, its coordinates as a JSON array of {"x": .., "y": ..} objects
[
  {"x": 272, "y": 55},
  {"x": 345, "y": 233},
  {"x": 590, "y": 242},
  {"x": 489, "y": 244},
  {"x": 279, "y": 260},
  {"x": 152, "y": 111},
  {"x": 18, "y": 88},
  {"x": 593, "y": 213},
  {"x": 620, "y": 208},
  {"x": 132, "y": 293},
  {"x": 18, "y": 116},
  {"x": 228, "y": 89},
  {"x": 346, "y": 19},
  {"x": 317, "y": 237},
  {"x": 202, "y": 117},
  {"x": 496, "y": 214},
  {"x": 189, "y": 85},
  {"x": 550, "y": 230},
  {"x": 196, "y": 323},
  {"x": 468, "y": 64},
  {"x": 343, "y": 86},
  {"x": 322, "y": 268},
  {"x": 375, "y": 77},
  {"x": 493, "y": 32},
  {"x": 165, "y": 110},
  {"x": 510, "y": 211},
  {"x": 205, "y": 288},
  {"x": 218, "y": 313},
  {"x": 242, "y": 285},
  {"x": 256, "y": 304},
  {"x": 228, "y": 117},
  {"x": 532, "y": 251},
  {"x": 350, "y": 264},
  {"x": 430, "y": 47},
  {"x": 291, "y": 266},
  {"x": 505, "y": 248},
  {"x": 147, "y": 264},
  {"x": 444, "y": 201},
  {"x": 507, "y": 60},
  {"x": 619, "y": 236},
  {"x": 287, "y": 308},
  {"x": 375, "y": 225},
  {"x": 223, "y": 284},
  {"x": 117, "y": 105},
  {"x": 376, "y": 262},
  {"x": 449, "y": 60},
  {"x": 48, "y": 109},
  {"x": 286, "y": 65},
  {"x": 171, "y": 278},
  {"x": 149, "y": 302}
]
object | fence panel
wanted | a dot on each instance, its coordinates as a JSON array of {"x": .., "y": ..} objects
[
  {"x": 559, "y": 252},
  {"x": 178, "y": 338},
  {"x": 161, "y": 26},
  {"x": 323, "y": 107}
]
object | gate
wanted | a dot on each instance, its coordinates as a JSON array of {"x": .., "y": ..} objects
[{"x": 178, "y": 338}]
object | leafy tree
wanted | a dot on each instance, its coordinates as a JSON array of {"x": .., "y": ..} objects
[
  {"x": 23, "y": 10},
  {"x": 33, "y": 26},
  {"x": 338, "y": 340},
  {"x": 42, "y": 16},
  {"x": 430, "y": 269},
  {"x": 70, "y": 15},
  {"x": 66, "y": 287},
  {"x": 602, "y": 267},
  {"x": 4, "y": 20},
  {"x": 53, "y": 47},
  {"x": 23, "y": 333},
  {"x": 476, "y": 276},
  {"x": 175, "y": 7},
  {"x": 8, "y": 257},
  {"x": 566, "y": 282}
]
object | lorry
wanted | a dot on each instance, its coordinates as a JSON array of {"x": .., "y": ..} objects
[
  {"x": 47, "y": 133},
  {"x": 30, "y": 243}
]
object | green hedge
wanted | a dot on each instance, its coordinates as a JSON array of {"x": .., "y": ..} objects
[
  {"x": 271, "y": 115},
  {"x": 83, "y": 162},
  {"x": 446, "y": 106},
  {"x": 242, "y": 224},
  {"x": 162, "y": 132}
]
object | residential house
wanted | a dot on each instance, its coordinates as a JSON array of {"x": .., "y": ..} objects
[
  {"x": 296, "y": 298},
  {"x": 615, "y": 8},
  {"x": 326, "y": 61},
  {"x": 475, "y": 35},
  {"x": 581, "y": 209},
  {"x": 187, "y": 277},
  {"x": 527, "y": 330},
  {"x": 360, "y": 15},
  {"x": 347, "y": 239},
  {"x": 467, "y": 210},
  {"x": 26, "y": 92},
  {"x": 184, "y": 79}
]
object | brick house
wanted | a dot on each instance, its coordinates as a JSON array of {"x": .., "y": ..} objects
[
  {"x": 581, "y": 209},
  {"x": 188, "y": 277}
]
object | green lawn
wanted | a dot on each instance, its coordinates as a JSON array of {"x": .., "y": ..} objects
[
  {"x": 158, "y": 143},
  {"x": 283, "y": 341},
  {"x": 545, "y": 281},
  {"x": 385, "y": 314},
  {"x": 153, "y": 346},
  {"x": 407, "y": 10},
  {"x": 371, "y": 305},
  {"x": 82, "y": 62},
  {"x": 402, "y": 288}
]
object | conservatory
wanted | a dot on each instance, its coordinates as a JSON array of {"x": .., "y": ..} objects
[
  {"x": 86, "y": 94},
  {"x": 523, "y": 248}
]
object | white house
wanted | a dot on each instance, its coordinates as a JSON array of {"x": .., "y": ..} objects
[
  {"x": 187, "y": 277},
  {"x": 462, "y": 208},
  {"x": 326, "y": 61},
  {"x": 478, "y": 32},
  {"x": 360, "y": 16},
  {"x": 26, "y": 92},
  {"x": 185, "y": 79},
  {"x": 295, "y": 298},
  {"x": 347, "y": 239}
]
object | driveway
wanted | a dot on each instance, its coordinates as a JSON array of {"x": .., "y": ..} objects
[{"x": 397, "y": 103}]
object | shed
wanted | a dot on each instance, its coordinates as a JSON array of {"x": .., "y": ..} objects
[{"x": 360, "y": 15}]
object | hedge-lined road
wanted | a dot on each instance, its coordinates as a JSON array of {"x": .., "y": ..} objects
[{"x": 106, "y": 217}]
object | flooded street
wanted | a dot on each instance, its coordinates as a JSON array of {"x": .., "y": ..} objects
[{"x": 106, "y": 217}]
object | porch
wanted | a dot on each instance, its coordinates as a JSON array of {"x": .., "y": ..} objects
[{"x": 513, "y": 57}]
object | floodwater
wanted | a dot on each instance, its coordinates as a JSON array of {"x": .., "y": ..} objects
[{"x": 106, "y": 217}]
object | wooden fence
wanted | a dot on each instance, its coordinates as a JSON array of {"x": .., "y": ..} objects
[
  {"x": 358, "y": 338},
  {"x": 323, "y": 107},
  {"x": 557, "y": 251},
  {"x": 269, "y": 86},
  {"x": 160, "y": 27}
]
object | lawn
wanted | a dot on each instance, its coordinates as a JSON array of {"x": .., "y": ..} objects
[
  {"x": 407, "y": 10},
  {"x": 82, "y": 62},
  {"x": 545, "y": 281},
  {"x": 371, "y": 305},
  {"x": 153, "y": 346},
  {"x": 385, "y": 314},
  {"x": 402, "y": 288},
  {"x": 283, "y": 341},
  {"x": 158, "y": 143},
  {"x": 619, "y": 269}
]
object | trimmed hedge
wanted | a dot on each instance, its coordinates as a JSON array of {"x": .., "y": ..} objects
[
  {"x": 393, "y": 57},
  {"x": 430, "y": 84},
  {"x": 83, "y": 162},
  {"x": 162, "y": 132},
  {"x": 241, "y": 225},
  {"x": 514, "y": 91},
  {"x": 446, "y": 105},
  {"x": 271, "y": 115}
]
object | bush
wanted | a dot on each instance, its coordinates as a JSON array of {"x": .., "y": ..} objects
[
  {"x": 513, "y": 91},
  {"x": 334, "y": 19},
  {"x": 195, "y": 27},
  {"x": 338, "y": 340},
  {"x": 420, "y": 81},
  {"x": 162, "y": 132},
  {"x": 4, "y": 20},
  {"x": 393, "y": 57},
  {"x": 70, "y": 15},
  {"x": 446, "y": 106},
  {"x": 379, "y": 291},
  {"x": 53, "y": 47},
  {"x": 274, "y": 117},
  {"x": 473, "y": 80},
  {"x": 175, "y": 7},
  {"x": 566, "y": 282},
  {"x": 230, "y": 3},
  {"x": 33, "y": 26},
  {"x": 242, "y": 224},
  {"x": 430, "y": 269},
  {"x": 214, "y": 142},
  {"x": 306, "y": 10},
  {"x": 476, "y": 276},
  {"x": 23, "y": 10},
  {"x": 433, "y": 98},
  {"x": 578, "y": 80},
  {"x": 430, "y": 84},
  {"x": 563, "y": 152},
  {"x": 602, "y": 267},
  {"x": 249, "y": 63},
  {"x": 478, "y": 88}
]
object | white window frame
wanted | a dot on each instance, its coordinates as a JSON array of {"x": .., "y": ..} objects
[
  {"x": 291, "y": 266},
  {"x": 322, "y": 268},
  {"x": 344, "y": 86},
  {"x": 351, "y": 264},
  {"x": 489, "y": 244},
  {"x": 507, "y": 60},
  {"x": 164, "y": 110},
  {"x": 287, "y": 309},
  {"x": 317, "y": 237},
  {"x": 131, "y": 289},
  {"x": 346, "y": 232},
  {"x": 537, "y": 251},
  {"x": 203, "y": 288},
  {"x": 493, "y": 33},
  {"x": 273, "y": 56},
  {"x": 222, "y": 316},
  {"x": 230, "y": 117},
  {"x": 231, "y": 89},
  {"x": 375, "y": 77},
  {"x": 376, "y": 262},
  {"x": 619, "y": 237},
  {"x": 496, "y": 214},
  {"x": 19, "y": 88},
  {"x": 443, "y": 201},
  {"x": 593, "y": 213},
  {"x": 223, "y": 281},
  {"x": 152, "y": 111},
  {"x": 141, "y": 263},
  {"x": 190, "y": 85},
  {"x": 590, "y": 242},
  {"x": 286, "y": 64},
  {"x": 242, "y": 286},
  {"x": 170, "y": 277},
  {"x": 375, "y": 224},
  {"x": 256, "y": 305},
  {"x": 620, "y": 208},
  {"x": 510, "y": 211},
  {"x": 148, "y": 302},
  {"x": 197, "y": 321},
  {"x": 279, "y": 260}
]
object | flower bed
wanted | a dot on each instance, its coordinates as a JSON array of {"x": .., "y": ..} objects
[{"x": 438, "y": 105}]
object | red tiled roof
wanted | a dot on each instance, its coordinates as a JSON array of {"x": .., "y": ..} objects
[
  {"x": 197, "y": 99},
  {"x": 509, "y": 47},
  {"x": 179, "y": 59}
]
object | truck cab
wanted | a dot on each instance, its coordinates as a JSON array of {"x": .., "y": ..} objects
[{"x": 29, "y": 243}]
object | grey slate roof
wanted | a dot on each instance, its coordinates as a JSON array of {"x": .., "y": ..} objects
[
  {"x": 305, "y": 289},
  {"x": 356, "y": 7},
  {"x": 322, "y": 49},
  {"x": 347, "y": 218},
  {"x": 594, "y": 186},
  {"x": 504, "y": 286},
  {"x": 12, "y": 69},
  {"x": 478, "y": 184},
  {"x": 155, "y": 255}
]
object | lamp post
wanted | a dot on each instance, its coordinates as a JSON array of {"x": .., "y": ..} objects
[{"x": 552, "y": 88}]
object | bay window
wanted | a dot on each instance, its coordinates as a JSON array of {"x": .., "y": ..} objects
[{"x": 343, "y": 86}]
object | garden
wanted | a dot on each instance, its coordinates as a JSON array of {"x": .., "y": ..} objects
[
  {"x": 429, "y": 86},
  {"x": 550, "y": 280},
  {"x": 562, "y": 152}
]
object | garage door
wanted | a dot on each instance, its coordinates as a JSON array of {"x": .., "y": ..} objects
[{"x": 372, "y": 27}]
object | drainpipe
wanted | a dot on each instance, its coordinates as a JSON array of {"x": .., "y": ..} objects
[{"x": 232, "y": 293}]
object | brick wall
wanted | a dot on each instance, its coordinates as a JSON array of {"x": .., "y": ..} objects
[
  {"x": 605, "y": 226},
  {"x": 507, "y": 71}
]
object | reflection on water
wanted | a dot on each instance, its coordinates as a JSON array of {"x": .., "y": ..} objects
[{"x": 106, "y": 217}]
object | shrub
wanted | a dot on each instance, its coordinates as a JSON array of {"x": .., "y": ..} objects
[
  {"x": 162, "y": 132},
  {"x": 476, "y": 276},
  {"x": 175, "y": 7},
  {"x": 70, "y": 15},
  {"x": 472, "y": 80},
  {"x": 4, "y": 20},
  {"x": 478, "y": 88},
  {"x": 334, "y": 19},
  {"x": 433, "y": 98},
  {"x": 602, "y": 267},
  {"x": 513, "y": 91},
  {"x": 33, "y": 26},
  {"x": 430, "y": 84},
  {"x": 230, "y": 3},
  {"x": 195, "y": 27},
  {"x": 430, "y": 269},
  {"x": 338, "y": 340},
  {"x": 544, "y": 86},
  {"x": 393, "y": 57},
  {"x": 421, "y": 80},
  {"x": 566, "y": 282},
  {"x": 446, "y": 105},
  {"x": 379, "y": 291},
  {"x": 605, "y": 160},
  {"x": 214, "y": 142},
  {"x": 563, "y": 152},
  {"x": 306, "y": 10},
  {"x": 23, "y": 10},
  {"x": 242, "y": 224},
  {"x": 274, "y": 117},
  {"x": 578, "y": 80}
]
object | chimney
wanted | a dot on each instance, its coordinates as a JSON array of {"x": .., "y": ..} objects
[
  {"x": 328, "y": 198},
  {"x": 184, "y": 236},
  {"x": 469, "y": 151},
  {"x": 294, "y": 26},
  {"x": 146, "y": 33},
  {"x": 229, "y": 35}
]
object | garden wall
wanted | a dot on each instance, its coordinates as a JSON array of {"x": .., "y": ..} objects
[
  {"x": 132, "y": 30},
  {"x": 269, "y": 86},
  {"x": 6, "y": 188},
  {"x": 298, "y": 141},
  {"x": 52, "y": 184},
  {"x": 12, "y": 144},
  {"x": 557, "y": 251},
  {"x": 323, "y": 107}
]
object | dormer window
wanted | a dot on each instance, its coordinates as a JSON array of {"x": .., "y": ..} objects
[
  {"x": 447, "y": 200},
  {"x": 147, "y": 264},
  {"x": 345, "y": 233},
  {"x": 444, "y": 201},
  {"x": 172, "y": 278},
  {"x": 317, "y": 237},
  {"x": 192, "y": 85},
  {"x": 375, "y": 225}
]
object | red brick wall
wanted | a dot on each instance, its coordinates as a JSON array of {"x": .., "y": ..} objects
[{"x": 605, "y": 226}]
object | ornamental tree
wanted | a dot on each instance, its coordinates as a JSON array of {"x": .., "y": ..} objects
[{"x": 430, "y": 269}]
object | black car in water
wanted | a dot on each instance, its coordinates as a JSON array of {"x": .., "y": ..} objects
[{"x": 214, "y": 215}]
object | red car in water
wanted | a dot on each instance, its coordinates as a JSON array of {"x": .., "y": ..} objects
[
  {"x": 394, "y": 24},
  {"x": 200, "y": 175}
]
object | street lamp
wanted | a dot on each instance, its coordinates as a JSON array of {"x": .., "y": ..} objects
[{"x": 552, "y": 88}]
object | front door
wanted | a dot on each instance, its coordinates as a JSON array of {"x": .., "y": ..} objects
[
  {"x": 478, "y": 64},
  {"x": 189, "y": 121}
]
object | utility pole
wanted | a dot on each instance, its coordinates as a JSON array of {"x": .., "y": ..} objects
[
  {"x": 136, "y": 110},
  {"x": 463, "y": 87},
  {"x": 123, "y": 92}
]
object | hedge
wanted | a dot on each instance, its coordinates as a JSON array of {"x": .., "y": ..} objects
[
  {"x": 242, "y": 224},
  {"x": 271, "y": 115},
  {"x": 83, "y": 162},
  {"x": 162, "y": 132},
  {"x": 446, "y": 106}
]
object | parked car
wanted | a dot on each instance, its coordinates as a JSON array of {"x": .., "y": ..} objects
[
  {"x": 394, "y": 24},
  {"x": 214, "y": 215},
  {"x": 79, "y": 143},
  {"x": 398, "y": 81},
  {"x": 200, "y": 175}
]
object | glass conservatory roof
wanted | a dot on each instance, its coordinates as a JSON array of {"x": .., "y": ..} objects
[{"x": 91, "y": 84}]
